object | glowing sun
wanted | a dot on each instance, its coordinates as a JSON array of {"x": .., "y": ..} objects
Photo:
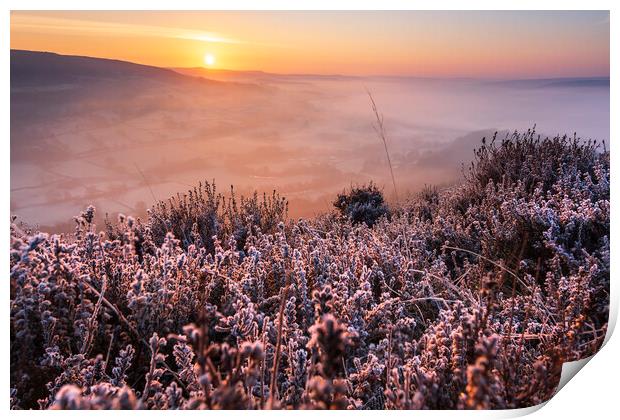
[{"x": 209, "y": 59}]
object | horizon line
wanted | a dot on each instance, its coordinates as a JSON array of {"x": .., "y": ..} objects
[{"x": 358, "y": 76}]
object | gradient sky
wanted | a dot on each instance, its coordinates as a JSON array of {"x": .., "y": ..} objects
[{"x": 496, "y": 44}]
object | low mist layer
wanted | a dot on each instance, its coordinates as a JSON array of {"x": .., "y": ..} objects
[{"x": 121, "y": 136}]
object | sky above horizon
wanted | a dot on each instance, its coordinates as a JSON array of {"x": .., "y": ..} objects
[{"x": 478, "y": 44}]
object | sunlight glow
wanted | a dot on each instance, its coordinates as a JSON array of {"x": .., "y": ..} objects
[
  {"x": 209, "y": 59},
  {"x": 332, "y": 42}
]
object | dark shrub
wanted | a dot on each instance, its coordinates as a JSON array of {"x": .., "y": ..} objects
[{"x": 362, "y": 204}]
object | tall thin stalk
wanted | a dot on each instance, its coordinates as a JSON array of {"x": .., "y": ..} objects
[
  {"x": 276, "y": 359},
  {"x": 380, "y": 129}
]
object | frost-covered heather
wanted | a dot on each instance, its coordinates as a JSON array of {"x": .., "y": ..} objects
[{"x": 471, "y": 297}]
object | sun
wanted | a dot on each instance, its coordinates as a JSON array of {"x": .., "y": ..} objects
[{"x": 209, "y": 59}]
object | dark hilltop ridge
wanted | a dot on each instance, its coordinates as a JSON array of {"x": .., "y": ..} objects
[
  {"x": 44, "y": 84},
  {"x": 36, "y": 68}
]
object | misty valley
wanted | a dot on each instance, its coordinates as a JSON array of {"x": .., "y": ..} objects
[{"x": 122, "y": 136}]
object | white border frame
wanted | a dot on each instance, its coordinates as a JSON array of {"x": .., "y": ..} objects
[{"x": 593, "y": 394}]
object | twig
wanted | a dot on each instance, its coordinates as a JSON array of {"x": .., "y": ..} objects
[
  {"x": 133, "y": 330},
  {"x": 389, "y": 360},
  {"x": 380, "y": 129},
  {"x": 491, "y": 262},
  {"x": 433, "y": 299},
  {"x": 116, "y": 312},
  {"x": 146, "y": 182},
  {"x": 276, "y": 359},
  {"x": 107, "y": 357},
  {"x": 263, "y": 363},
  {"x": 445, "y": 283},
  {"x": 91, "y": 322}
]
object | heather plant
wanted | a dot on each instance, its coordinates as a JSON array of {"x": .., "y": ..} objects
[
  {"x": 469, "y": 297},
  {"x": 362, "y": 204},
  {"x": 203, "y": 213}
]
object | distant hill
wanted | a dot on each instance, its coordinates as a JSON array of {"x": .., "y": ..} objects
[
  {"x": 34, "y": 68},
  {"x": 46, "y": 85},
  {"x": 563, "y": 82},
  {"x": 255, "y": 76}
]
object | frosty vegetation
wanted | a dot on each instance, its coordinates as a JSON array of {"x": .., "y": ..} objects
[{"x": 470, "y": 297}]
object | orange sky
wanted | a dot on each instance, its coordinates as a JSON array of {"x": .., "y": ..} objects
[{"x": 435, "y": 44}]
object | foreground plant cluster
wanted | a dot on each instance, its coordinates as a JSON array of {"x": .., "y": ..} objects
[{"x": 470, "y": 297}]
